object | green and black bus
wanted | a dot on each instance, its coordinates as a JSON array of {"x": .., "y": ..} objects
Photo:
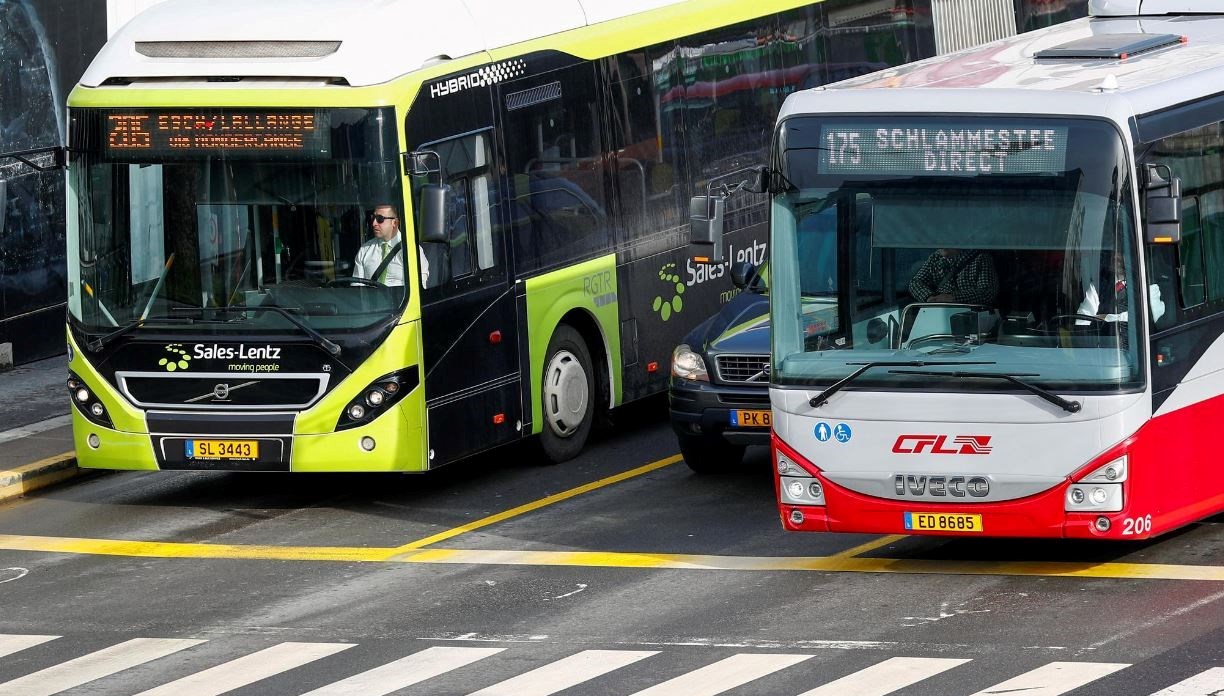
[{"x": 227, "y": 179}]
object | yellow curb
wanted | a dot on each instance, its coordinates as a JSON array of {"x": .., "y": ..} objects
[{"x": 40, "y": 474}]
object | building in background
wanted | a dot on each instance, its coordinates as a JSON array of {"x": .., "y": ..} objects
[{"x": 45, "y": 46}]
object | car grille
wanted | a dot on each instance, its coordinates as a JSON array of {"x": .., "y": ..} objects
[{"x": 743, "y": 368}]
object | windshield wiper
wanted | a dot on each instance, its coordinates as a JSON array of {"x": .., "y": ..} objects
[
  {"x": 1068, "y": 406},
  {"x": 104, "y": 340},
  {"x": 823, "y": 397},
  {"x": 319, "y": 339}
]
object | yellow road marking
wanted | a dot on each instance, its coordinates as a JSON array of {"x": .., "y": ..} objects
[
  {"x": 598, "y": 559},
  {"x": 536, "y": 505},
  {"x": 869, "y": 546},
  {"x": 414, "y": 552}
]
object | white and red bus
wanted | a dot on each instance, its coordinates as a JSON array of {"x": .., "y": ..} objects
[{"x": 1022, "y": 332}]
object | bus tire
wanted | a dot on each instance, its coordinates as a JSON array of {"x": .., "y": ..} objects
[
  {"x": 706, "y": 457},
  {"x": 567, "y": 395}
]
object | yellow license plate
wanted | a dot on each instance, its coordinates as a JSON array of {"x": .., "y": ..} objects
[
  {"x": 222, "y": 449},
  {"x": 751, "y": 419},
  {"x": 942, "y": 522}
]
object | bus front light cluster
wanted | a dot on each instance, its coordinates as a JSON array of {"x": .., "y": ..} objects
[
  {"x": 798, "y": 486},
  {"x": 87, "y": 402},
  {"x": 1100, "y": 490},
  {"x": 376, "y": 398}
]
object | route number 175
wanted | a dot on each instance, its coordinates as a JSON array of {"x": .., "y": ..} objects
[{"x": 844, "y": 148}]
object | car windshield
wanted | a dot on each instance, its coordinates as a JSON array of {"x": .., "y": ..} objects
[
  {"x": 182, "y": 214},
  {"x": 1005, "y": 244}
]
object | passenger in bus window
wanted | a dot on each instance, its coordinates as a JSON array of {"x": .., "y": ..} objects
[
  {"x": 964, "y": 276},
  {"x": 385, "y": 244},
  {"x": 1113, "y": 306}
]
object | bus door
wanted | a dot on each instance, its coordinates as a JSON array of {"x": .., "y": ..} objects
[{"x": 468, "y": 314}]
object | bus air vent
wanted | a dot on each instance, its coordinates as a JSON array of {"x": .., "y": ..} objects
[
  {"x": 533, "y": 96},
  {"x": 1111, "y": 46},
  {"x": 237, "y": 49}
]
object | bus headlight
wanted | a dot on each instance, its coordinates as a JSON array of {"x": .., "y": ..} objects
[
  {"x": 1094, "y": 497},
  {"x": 802, "y": 491},
  {"x": 688, "y": 364},
  {"x": 377, "y": 397},
  {"x": 1113, "y": 472},
  {"x": 87, "y": 402},
  {"x": 788, "y": 468}
]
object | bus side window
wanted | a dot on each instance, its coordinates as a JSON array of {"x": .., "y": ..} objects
[
  {"x": 466, "y": 165},
  {"x": 556, "y": 167}
]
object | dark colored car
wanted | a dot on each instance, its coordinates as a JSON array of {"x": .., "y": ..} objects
[{"x": 719, "y": 389}]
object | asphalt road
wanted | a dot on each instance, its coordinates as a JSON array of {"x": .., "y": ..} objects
[{"x": 620, "y": 572}]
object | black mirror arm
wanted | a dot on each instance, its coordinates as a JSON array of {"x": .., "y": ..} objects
[{"x": 59, "y": 155}]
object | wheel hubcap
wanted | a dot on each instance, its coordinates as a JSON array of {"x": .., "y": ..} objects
[{"x": 565, "y": 393}]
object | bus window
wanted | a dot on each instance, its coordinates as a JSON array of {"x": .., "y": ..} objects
[
  {"x": 466, "y": 169},
  {"x": 555, "y": 167}
]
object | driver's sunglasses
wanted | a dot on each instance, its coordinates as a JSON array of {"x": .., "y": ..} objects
[{"x": 380, "y": 219}]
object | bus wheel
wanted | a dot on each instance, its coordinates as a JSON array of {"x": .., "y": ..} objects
[
  {"x": 707, "y": 457},
  {"x": 566, "y": 396}
]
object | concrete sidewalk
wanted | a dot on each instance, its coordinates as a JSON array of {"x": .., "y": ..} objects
[{"x": 35, "y": 428}]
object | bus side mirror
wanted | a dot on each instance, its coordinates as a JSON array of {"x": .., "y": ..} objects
[
  {"x": 432, "y": 227},
  {"x": 706, "y": 226},
  {"x": 3, "y": 203},
  {"x": 1163, "y": 203},
  {"x": 742, "y": 274}
]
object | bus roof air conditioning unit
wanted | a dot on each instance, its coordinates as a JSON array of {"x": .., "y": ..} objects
[
  {"x": 236, "y": 49},
  {"x": 1153, "y": 8},
  {"x": 1111, "y": 46}
]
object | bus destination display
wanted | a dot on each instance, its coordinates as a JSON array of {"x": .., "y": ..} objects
[
  {"x": 946, "y": 149},
  {"x": 161, "y": 134}
]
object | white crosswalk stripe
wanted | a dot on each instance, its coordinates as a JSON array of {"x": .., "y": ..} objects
[
  {"x": 93, "y": 666},
  {"x": 1054, "y": 678},
  {"x": 886, "y": 677},
  {"x": 724, "y": 675},
  {"x": 405, "y": 672},
  {"x": 880, "y": 679},
  {"x": 248, "y": 670},
  {"x": 10, "y": 644},
  {"x": 1207, "y": 683},
  {"x": 566, "y": 672}
]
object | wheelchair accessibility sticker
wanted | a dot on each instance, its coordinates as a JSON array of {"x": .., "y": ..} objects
[{"x": 840, "y": 432}]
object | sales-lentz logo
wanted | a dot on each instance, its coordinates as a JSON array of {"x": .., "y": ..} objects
[
  {"x": 937, "y": 444},
  {"x": 483, "y": 77}
]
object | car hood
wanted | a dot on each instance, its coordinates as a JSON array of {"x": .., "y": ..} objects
[{"x": 741, "y": 326}]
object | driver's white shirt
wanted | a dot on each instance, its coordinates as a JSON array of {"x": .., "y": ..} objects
[{"x": 370, "y": 256}]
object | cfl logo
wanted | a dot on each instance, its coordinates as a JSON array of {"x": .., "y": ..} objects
[{"x": 937, "y": 444}]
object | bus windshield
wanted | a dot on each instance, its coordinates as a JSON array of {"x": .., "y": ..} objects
[
  {"x": 192, "y": 218},
  {"x": 1003, "y": 246}
]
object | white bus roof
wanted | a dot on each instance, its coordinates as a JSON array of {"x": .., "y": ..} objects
[
  {"x": 363, "y": 42},
  {"x": 1008, "y": 77},
  {"x": 1133, "y": 8}
]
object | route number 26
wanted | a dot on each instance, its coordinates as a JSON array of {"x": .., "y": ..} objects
[{"x": 1136, "y": 525}]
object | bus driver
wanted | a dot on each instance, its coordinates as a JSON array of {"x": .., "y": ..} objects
[
  {"x": 379, "y": 256},
  {"x": 965, "y": 276}
]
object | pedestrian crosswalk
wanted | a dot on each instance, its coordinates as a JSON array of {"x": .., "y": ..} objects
[{"x": 575, "y": 672}]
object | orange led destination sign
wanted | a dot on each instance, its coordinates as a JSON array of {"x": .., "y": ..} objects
[{"x": 144, "y": 134}]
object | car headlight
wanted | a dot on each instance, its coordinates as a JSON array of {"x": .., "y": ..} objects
[{"x": 687, "y": 364}]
